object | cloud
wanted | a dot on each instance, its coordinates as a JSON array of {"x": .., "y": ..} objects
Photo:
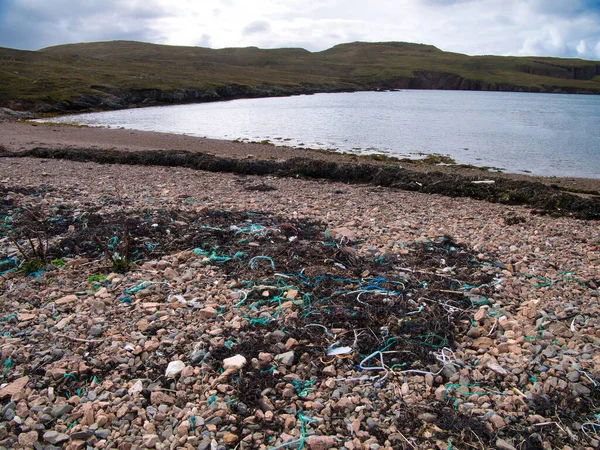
[
  {"x": 32, "y": 24},
  {"x": 256, "y": 27},
  {"x": 510, "y": 27}
]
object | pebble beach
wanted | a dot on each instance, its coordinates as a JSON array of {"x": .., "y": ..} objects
[{"x": 268, "y": 313}]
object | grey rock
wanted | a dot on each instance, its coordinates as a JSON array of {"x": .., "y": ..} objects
[
  {"x": 9, "y": 415},
  {"x": 8, "y": 407},
  {"x": 241, "y": 408},
  {"x": 103, "y": 433},
  {"x": 61, "y": 410},
  {"x": 82, "y": 435},
  {"x": 286, "y": 358},
  {"x": 449, "y": 370},
  {"x": 573, "y": 377},
  {"x": 204, "y": 445},
  {"x": 96, "y": 331},
  {"x": 45, "y": 418},
  {"x": 214, "y": 421},
  {"x": 580, "y": 389},
  {"x": 551, "y": 351},
  {"x": 196, "y": 356},
  {"x": 54, "y": 437},
  {"x": 372, "y": 423}
]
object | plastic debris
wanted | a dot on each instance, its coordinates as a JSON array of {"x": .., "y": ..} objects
[{"x": 339, "y": 351}]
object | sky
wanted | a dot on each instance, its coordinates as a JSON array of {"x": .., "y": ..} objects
[{"x": 567, "y": 28}]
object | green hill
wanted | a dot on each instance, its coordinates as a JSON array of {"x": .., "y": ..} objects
[{"x": 120, "y": 74}]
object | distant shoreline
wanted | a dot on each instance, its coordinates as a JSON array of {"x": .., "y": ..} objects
[{"x": 22, "y": 135}]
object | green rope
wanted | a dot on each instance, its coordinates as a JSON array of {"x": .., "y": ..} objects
[
  {"x": 7, "y": 366},
  {"x": 429, "y": 340},
  {"x": 303, "y": 387}
]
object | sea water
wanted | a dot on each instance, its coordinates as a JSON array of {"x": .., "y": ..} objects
[{"x": 542, "y": 134}]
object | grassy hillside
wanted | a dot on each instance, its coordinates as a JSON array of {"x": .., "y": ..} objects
[{"x": 120, "y": 74}]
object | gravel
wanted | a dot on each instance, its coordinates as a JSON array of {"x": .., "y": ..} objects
[{"x": 87, "y": 359}]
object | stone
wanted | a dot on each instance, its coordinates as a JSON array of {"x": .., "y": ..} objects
[
  {"x": 170, "y": 274},
  {"x": 497, "y": 421},
  {"x": 160, "y": 398},
  {"x": 342, "y": 232},
  {"x": 67, "y": 299},
  {"x": 8, "y": 415},
  {"x": 441, "y": 393},
  {"x": 580, "y": 389},
  {"x": 81, "y": 435},
  {"x": 329, "y": 371},
  {"x": 230, "y": 438},
  {"x": 573, "y": 377},
  {"x": 27, "y": 439},
  {"x": 54, "y": 437},
  {"x": 136, "y": 388},
  {"x": 204, "y": 445},
  {"x": 208, "y": 313},
  {"x": 290, "y": 343},
  {"x": 197, "y": 356},
  {"x": 265, "y": 357},
  {"x": 482, "y": 342},
  {"x": 320, "y": 442},
  {"x": 286, "y": 358},
  {"x": 143, "y": 325},
  {"x": 96, "y": 331},
  {"x": 12, "y": 388},
  {"x": 183, "y": 428},
  {"x": 480, "y": 314},
  {"x": 45, "y": 418},
  {"x": 551, "y": 351},
  {"x": 492, "y": 365},
  {"x": 501, "y": 444},
  {"x": 25, "y": 317},
  {"x": 428, "y": 417},
  {"x": 235, "y": 362},
  {"x": 174, "y": 368},
  {"x": 372, "y": 423},
  {"x": 103, "y": 433},
  {"x": 150, "y": 440},
  {"x": 61, "y": 410}
]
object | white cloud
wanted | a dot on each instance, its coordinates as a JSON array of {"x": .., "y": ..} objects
[{"x": 517, "y": 27}]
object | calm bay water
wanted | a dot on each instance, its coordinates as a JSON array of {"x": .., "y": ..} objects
[{"x": 545, "y": 134}]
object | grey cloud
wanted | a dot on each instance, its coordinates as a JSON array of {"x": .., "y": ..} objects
[
  {"x": 257, "y": 27},
  {"x": 37, "y": 24}
]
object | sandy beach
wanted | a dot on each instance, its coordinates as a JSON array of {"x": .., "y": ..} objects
[{"x": 271, "y": 312}]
